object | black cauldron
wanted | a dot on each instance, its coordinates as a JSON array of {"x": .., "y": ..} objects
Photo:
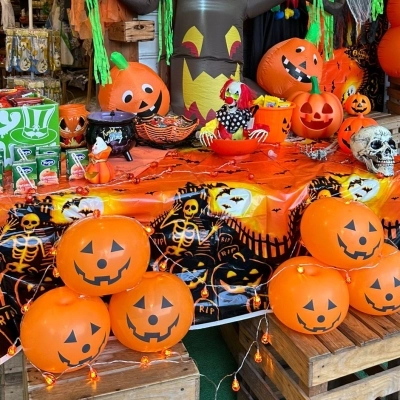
[{"x": 115, "y": 128}]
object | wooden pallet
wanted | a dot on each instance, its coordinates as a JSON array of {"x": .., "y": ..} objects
[
  {"x": 358, "y": 361},
  {"x": 393, "y": 91},
  {"x": 389, "y": 121}
]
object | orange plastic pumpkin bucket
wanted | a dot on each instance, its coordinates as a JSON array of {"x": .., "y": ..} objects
[{"x": 279, "y": 120}]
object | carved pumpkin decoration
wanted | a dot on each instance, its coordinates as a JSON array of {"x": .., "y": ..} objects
[
  {"x": 288, "y": 66},
  {"x": 64, "y": 331},
  {"x": 103, "y": 255},
  {"x": 317, "y": 115},
  {"x": 308, "y": 296},
  {"x": 349, "y": 127},
  {"x": 154, "y": 315},
  {"x": 345, "y": 234},
  {"x": 135, "y": 88},
  {"x": 73, "y": 124},
  {"x": 376, "y": 290},
  {"x": 357, "y": 104}
]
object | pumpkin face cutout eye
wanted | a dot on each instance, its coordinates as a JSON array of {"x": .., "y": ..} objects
[
  {"x": 313, "y": 301},
  {"x": 352, "y": 237},
  {"x": 155, "y": 315},
  {"x": 376, "y": 291},
  {"x": 319, "y": 317},
  {"x": 64, "y": 330},
  {"x": 100, "y": 256}
]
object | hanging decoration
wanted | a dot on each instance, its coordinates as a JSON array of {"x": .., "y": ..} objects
[
  {"x": 361, "y": 11},
  {"x": 101, "y": 62},
  {"x": 165, "y": 16}
]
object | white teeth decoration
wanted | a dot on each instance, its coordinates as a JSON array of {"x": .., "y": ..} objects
[
  {"x": 152, "y": 108},
  {"x": 297, "y": 70},
  {"x": 287, "y": 69},
  {"x": 308, "y": 76},
  {"x": 299, "y": 79},
  {"x": 286, "y": 61}
]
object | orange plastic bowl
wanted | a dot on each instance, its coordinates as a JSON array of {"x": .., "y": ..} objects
[{"x": 234, "y": 147}]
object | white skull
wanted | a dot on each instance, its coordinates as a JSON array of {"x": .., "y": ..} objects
[{"x": 375, "y": 147}]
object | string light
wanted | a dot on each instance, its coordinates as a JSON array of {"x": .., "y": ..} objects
[
  {"x": 348, "y": 279},
  {"x": 11, "y": 351},
  {"x": 93, "y": 374},
  {"x": 49, "y": 378},
  {"x": 300, "y": 269},
  {"x": 162, "y": 266},
  {"x": 149, "y": 230},
  {"x": 56, "y": 274},
  {"x": 96, "y": 213},
  {"x": 26, "y": 307},
  {"x": 257, "y": 356},
  {"x": 167, "y": 353},
  {"x": 53, "y": 251},
  {"x": 235, "y": 385},
  {"x": 265, "y": 338},
  {"x": 144, "y": 361},
  {"x": 257, "y": 301},
  {"x": 204, "y": 292}
]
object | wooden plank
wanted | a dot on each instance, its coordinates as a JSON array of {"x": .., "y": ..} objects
[
  {"x": 378, "y": 385},
  {"x": 335, "y": 341},
  {"x": 131, "y": 31},
  {"x": 390, "y": 122},
  {"x": 357, "y": 332},
  {"x": 393, "y": 93},
  {"x": 13, "y": 388},
  {"x": 393, "y": 107},
  {"x": 395, "y": 318},
  {"x": 382, "y": 326},
  {"x": 393, "y": 80},
  {"x": 121, "y": 377}
]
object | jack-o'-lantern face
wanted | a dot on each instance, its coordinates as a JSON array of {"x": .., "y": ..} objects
[
  {"x": 352, "y": 236},
  {"x": 155, "y": 315},
  {"x": 349, "y": 127},
  {"x": 135, "y": 88},
  {"x": 99, "y": 256},
  {"x": 357, "y": 104},
  {"x": 308, "y": 296},
  {"x": 64, "y": 331},
  {"x": 376, "y": 290},
  {"x": 288, "y": 66},
  {"x": 73, "y": 123}
]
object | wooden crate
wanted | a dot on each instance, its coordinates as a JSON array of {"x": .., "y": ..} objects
[
  {"x": 358, "y": 361},
  {"x": 393, "y": 92},
  {"x": 389, "y": 121},
  {"x": 131, "y": 31},
  {"x": 175, "y": 378}
]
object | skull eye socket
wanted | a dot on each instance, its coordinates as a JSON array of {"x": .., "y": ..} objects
[
  {"x": 306, "y": 108},
  {"x": 392, "y": 144},
  {"x": 376, "y": 144}
]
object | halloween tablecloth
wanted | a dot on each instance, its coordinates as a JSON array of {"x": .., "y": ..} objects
[{"x": 221, "y": 224}]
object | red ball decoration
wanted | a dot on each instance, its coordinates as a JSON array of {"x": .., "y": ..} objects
[
  {"x": 376, "y": 290},
  {"x": 308, "y": 296},
  {"x": 393, "y": 12},
  {"x": 154, "y": 315},
  {"x": 389, "y": 58},
  {"x": 344, "y": 234}
]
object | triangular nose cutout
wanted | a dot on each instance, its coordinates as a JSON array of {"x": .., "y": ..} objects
[
  {"x": 143, "y": 104},
  {"x": 303, "y": 65}
]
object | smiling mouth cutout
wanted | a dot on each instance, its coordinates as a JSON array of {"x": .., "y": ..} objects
[
  {"x": 294, "y": 72},
  {"x": 382, "y": 309},
  {"x": 98, "y": 279},
  {"x": 151, "y": 335},
  {"x": 364, "y": 255},
  {"x": 316, "y": 328},
  {"x": 85, "y": 360},
  {"x": 316, "y": 125}
]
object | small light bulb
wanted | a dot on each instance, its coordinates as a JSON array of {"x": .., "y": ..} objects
[
  {"x": 149, "y": 230},
  {"x": 265, "y": 338},
  {"x": 49, "y": 378},
  {"x": 96, "y": 213},
  {"x": 25, "y": 307},
  {"x": 53, "y": 251},
  {"x": 163, "y": 266},
  {"x": 12, "y": 350},
  {"x": 257, "y": 301},
  {"x": 167, "y": 353},
  {"x": 144, "y": 361},
  {"x": 93, "y": 374},
  {"x": 204, "y": 292},
  {"x": 348, "y": 279},
  {"x": 300, "y": 269},
  {"x": 56, "y": 274},
  {"x": 257, "y": 356},
  {"x": 235, "y": 385}
]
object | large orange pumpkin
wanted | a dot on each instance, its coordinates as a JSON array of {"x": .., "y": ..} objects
[
  {"x": 349, "y": 127},
  {"x": 345, "y": 234},
  {"x": 153, "y": 316},
  {"x": 316, "y": 115},
  {"x": 104, "y": 255},
  {"x": 308, "y": 296},
  {"x": 288, "y": 66},
  {"x": 135, "y": 88},
  {"x": 376, "y": 290},
  {"x": 64, "y": 331}
]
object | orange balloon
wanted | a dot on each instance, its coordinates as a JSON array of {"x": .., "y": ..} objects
[
  {"x": 64, "y": 331},
  {"x": 104, "y": 255},
  {"x": 376, "y": 290},
  {"x": 153, "y": 316},
  {"x": 389, "y": 60},
  {"x": 346, "y": 234},
  {"x": 308, "y": 296}
]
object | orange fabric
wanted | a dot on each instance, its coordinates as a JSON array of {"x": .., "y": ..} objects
[
  {"x": 79, "y": 20},
  {"x": 113, "y": 11}
]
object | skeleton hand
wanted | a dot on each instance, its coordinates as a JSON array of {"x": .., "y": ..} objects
[
  {"x": 259, "y": 134},
  {"x": 206, "y": 138},
  {"x": 10, "y": 225},
  {"x": 176, "y": 207},
  {"x": 217, "y": 225}
]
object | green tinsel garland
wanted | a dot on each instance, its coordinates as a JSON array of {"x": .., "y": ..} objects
[
  {"x": 101, "y": 62},
  {"x": 314, "y": 32},
  {"x": 376, "y": 9},
  {"x": 165, "y": 15}
]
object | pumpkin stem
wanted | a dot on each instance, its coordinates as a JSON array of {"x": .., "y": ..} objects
[
  {"x": 119, "y": 60},
  {"x": 315, "y": 87}
]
